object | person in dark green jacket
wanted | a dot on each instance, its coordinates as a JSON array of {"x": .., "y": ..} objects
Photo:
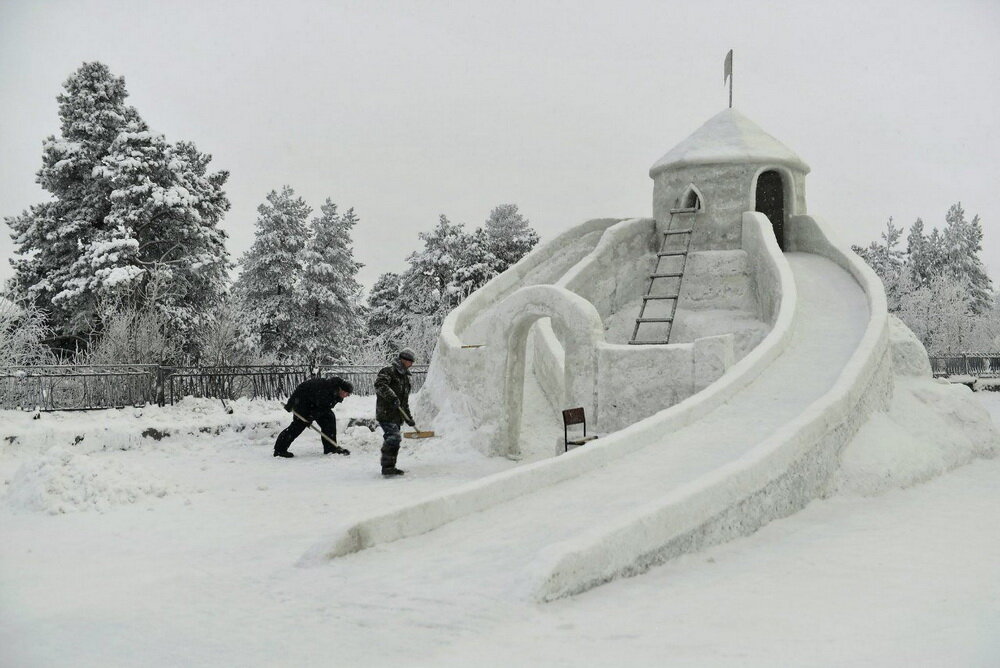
[{"x": 392, "y": 407}]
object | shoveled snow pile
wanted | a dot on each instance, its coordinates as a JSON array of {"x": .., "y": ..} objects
[
  {"x": 359, "y": 437},
  {"x": 62, "y": 481},
  {"x": 929, "y": 429}
]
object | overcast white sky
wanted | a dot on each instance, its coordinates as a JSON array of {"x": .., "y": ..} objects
[{"x": 406, "y": 110}]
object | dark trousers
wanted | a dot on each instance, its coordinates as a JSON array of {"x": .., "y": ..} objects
[
  {"x": 327, "y": 424},
  {"x": 390, "y": 444}
]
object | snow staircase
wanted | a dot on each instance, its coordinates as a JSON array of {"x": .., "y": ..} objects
[{"x": 669, "y": 270}]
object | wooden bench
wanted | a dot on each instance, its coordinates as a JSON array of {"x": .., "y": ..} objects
[{"x": 574, "y": 416}]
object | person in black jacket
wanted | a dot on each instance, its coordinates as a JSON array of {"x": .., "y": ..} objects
[
  {"x": 314, "y": 400},
  {"x": 392, "y": 407}
]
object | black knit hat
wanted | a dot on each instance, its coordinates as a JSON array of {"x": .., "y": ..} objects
[
  {"x": 347, "y": 386},
  {"x": 407, "y": 354}
]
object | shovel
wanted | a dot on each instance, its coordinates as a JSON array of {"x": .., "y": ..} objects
[{"x": 417, "y": 433}]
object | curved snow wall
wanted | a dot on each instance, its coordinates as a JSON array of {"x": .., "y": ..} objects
[
  {"x": 455, "y": 380},
  {"x": 439, "y": 509},
  {"x": 775, "y": 479}
]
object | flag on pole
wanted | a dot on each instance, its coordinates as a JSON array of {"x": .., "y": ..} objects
[{"x": 728, "y": 73}]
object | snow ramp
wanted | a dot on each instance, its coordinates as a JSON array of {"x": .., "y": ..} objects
[{"x": 756, "y": 445}]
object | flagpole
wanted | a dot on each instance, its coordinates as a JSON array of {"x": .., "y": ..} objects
[{"x": 727, "y": 73}]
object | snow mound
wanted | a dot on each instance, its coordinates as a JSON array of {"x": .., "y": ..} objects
[
  {"x": 929, "y": 429},
  {"x": 61, "y": 481}
]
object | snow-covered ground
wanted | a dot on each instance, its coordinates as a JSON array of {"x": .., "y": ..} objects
[{"x": 120, "y": 549}]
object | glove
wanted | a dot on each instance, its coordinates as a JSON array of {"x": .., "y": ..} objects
[{"x": 411, "y": 422}]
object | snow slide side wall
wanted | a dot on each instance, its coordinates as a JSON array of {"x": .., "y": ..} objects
[
  {"x": 439, "y": 509},
  {"x": 776, "y": 478}
]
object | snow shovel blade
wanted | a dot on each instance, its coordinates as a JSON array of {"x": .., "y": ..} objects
[{"x": 417, "y": 433}]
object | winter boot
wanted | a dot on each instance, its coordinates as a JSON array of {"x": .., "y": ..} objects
[
  {"x": 391, "y": 472},
  {"x": 335, "y": 450},
  {"x": 283, "y": 453}
]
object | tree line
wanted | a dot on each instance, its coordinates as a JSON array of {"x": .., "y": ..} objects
[
  {"x": 127, "y": 262},
  {"x": 936, "y": 283}
]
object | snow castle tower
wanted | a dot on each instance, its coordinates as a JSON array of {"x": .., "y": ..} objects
[{"x": 727, "y": 166}]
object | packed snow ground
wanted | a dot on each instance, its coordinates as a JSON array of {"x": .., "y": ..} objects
[{"x": 195, "y": 563}]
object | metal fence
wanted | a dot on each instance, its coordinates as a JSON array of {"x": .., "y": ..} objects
[
  {"x": 980, "y": 365},
  {"x": 80, "y": 387}
]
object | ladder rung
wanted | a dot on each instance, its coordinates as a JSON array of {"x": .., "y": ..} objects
[
  {"x": 660, "y": 297},
  {"x": 687, "y": 231},
  {"x": 688, "y": 210},
  {"x": 640, "y": 320},
  {"x": 670, "y": 275},
  {"x": 671, "y": 253},
  {"x": 647, "y": 343}
]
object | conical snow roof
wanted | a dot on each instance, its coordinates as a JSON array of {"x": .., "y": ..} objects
[{"x": 728, "y": 137}]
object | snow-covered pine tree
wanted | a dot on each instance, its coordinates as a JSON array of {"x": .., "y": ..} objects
[
  {"x": 161, "y": 247},
  {"x": 426, "y": 282},
  {"x": 328, "y": 322},
  {"x": 134, "y": 219},
  {"x": 265, "y": 289},
  {"x": 385, "y": 318},
  {"x": 509, "y": 234},
  {"x": 477, "y": 266},
  {"x": 49, "y": 237},
  {"x": 963, "y": 242},
  {"x": 924, "y": 254},
  {"x": 888, "y": 262}
]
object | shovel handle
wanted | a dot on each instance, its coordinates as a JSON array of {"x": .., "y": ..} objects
[
  {"x": 314, "y": 428},
  {"x": 407, "y": 417}
]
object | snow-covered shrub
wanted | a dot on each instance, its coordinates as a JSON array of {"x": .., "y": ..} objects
[
  {"x": 22, "y": 332},
  {"x": 219, "y": 342},
  {"x": 130, "y": 335}
]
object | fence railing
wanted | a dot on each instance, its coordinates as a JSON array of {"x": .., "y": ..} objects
[
  {"x": 980, "y": 365},
  {"x": 80, "y": 387}
]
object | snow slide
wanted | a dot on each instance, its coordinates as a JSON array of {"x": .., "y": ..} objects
[{"x": 758, "y": 444}]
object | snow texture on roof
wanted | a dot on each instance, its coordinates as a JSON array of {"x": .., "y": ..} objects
[{"x": 728, "y": 137}]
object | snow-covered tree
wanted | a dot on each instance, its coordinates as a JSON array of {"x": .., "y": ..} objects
[
  {"x": 328, "y": 320},
  {"x": 963, "y": 242},
  {"x": 266, "y": 288},
  {"x": 924, "y": 254},
  {"x": 385, "y": 317},
  {"x": 939, "y": 314},
  {"x": 939, "y": 287},
  {"x": 133, "y": 219},
  {"x": 161, "y": 245},
  {"x": 51, "y": 236},
  {"x": 426, "y": 283},
  {"x": 408, "y": 309},
  {"x": 509, "y": 236},
  {"x": 887, "y": 261},
  {"x": 478, "y": 265}
]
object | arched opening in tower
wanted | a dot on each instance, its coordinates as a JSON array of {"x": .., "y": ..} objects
[{"x": 771, "y": 202}]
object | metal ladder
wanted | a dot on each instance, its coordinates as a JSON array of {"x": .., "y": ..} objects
[{"x": 677, "y": 273}]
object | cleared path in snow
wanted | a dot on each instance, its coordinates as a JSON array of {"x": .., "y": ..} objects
[{"x": 466, "y": 570}]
